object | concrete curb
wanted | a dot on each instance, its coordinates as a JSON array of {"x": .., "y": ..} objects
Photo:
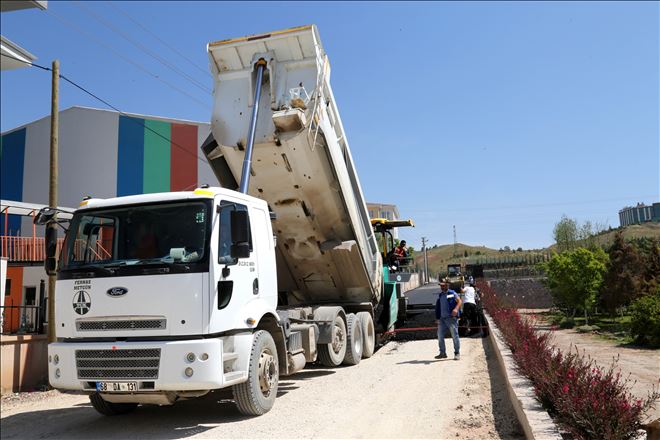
[{"x": 535, "y": 421}]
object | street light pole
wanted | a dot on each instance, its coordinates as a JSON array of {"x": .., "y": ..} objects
[{"x": 426, "y": 262}]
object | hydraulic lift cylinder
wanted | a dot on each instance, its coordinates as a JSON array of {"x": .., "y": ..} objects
[{"x": 247, "y": 161}]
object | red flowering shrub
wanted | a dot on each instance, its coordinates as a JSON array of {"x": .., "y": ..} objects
[{"x": 591, "y": 403}]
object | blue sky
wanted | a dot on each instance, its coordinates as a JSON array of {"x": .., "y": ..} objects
[{"x": 494, "y": 117}]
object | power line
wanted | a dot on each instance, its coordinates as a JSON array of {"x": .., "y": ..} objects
[
  {"x": 111, "y": 4},
  {"x": 158, "y": 58},
  {"x": 131, "y": 118},
  {"x": 128, "y": 60},
  {"x": 544, "y": 205}
]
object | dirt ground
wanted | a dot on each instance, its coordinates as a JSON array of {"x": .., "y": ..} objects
[
  {"x": 401, "y": 392},
  {"x": 642, "y": 365}
]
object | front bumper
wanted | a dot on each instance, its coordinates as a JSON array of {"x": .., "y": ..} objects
[{"x": 170, "y": 375}]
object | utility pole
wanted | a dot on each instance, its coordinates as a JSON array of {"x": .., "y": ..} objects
[
  {"x": 52, "y": 185},
  {"x": 455, "y": 244},
  {"x": 426, "y": 262}
]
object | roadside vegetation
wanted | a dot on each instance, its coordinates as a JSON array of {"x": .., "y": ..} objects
[
  {"x": 612, "y": 290},
  {"x": 594, "y": 234},
  {"x": 587, "y": 400}
]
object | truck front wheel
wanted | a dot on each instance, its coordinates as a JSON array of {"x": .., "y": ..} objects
[
  {"x": 332, "y": 354},
  {"x": 257, "y": 395},
  {"x": 108, "y": 408}
]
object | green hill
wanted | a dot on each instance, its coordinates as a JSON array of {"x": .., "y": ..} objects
[{"x": 441, "y": 255}]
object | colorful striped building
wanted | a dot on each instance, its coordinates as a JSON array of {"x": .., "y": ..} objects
[{"x": 101, "y": 154}]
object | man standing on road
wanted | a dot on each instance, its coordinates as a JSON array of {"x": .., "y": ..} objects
[{"x": 447, "y": 309}]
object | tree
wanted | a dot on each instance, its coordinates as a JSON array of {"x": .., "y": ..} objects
[
  {"x": 586, "y": 236},
  {"x": 651, "y": 283},
  {"x": 575, "y": 277},
  {"x": 565, "y": 233},
  {"x": 624, "y": 276},
  {"x": 649, "y": 254}
]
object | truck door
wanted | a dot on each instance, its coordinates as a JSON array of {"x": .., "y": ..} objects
[{"x": 238, "y": 280}]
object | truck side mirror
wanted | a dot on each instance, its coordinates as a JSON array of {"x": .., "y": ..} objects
[
  {"x": 240, "y": 234},
  {"x": 44, "y": 216},
  {"x": 50, "y": 241}
]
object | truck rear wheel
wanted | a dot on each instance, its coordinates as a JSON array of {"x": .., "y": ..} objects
[
  {"x": 108, "y": 408},
  {"x": 332, "y": 354},
  {"x": 257, "y": 395},
  {"x": 355, "y": 343},
  {"x": 368, "y": 334}
]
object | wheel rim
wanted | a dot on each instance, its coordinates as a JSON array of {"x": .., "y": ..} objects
[
  {"x": 267, "y": 372},
  {"x": 338, "y": 339}
]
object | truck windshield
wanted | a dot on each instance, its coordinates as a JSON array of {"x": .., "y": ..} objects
[{"x": 136, "y": 235}]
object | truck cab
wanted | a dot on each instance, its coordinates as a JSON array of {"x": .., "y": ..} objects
[{"x": 193, "y": 272}]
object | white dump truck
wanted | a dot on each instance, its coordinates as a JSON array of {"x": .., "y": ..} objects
[{"x": 162, "y": 297}]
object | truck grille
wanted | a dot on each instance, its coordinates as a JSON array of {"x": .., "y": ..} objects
[
  {"x": 126, "y": 324},
  {"x": 118, "y": 364}
]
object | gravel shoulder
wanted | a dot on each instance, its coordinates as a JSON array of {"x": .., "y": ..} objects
[{"x": 401, "y": 392}]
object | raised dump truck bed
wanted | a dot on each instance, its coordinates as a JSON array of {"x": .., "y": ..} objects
[{"x": 301, "y": 164}]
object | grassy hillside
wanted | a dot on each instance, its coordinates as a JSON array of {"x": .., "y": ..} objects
[
  {"x": 651, "y": 230},
  {"x": 442, "y": 255}
]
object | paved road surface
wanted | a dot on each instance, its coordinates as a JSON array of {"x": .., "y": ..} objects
[
  {"x": 401, "y": 392},
  {"x": 424, "y": 295}
]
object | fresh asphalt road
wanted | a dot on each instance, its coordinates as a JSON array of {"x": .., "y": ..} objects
[{"x": 423, "y": 296}]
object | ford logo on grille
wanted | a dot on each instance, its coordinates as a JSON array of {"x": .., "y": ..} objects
[{"x": 117, "y": 291}]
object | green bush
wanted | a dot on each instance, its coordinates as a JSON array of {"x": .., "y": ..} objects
[
  {"x": 645, "y": 320},
  {"x": 567, "y": 323}
]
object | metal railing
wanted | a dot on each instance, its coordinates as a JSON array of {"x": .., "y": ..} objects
[
  {"x": 23, "y": 319},
  {"x": 24, "y": 249},
  {"x": 32, "y": 249}
]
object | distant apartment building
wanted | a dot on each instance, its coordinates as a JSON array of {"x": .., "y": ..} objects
[
  {"x": 634, "y": 215},
  {"x": 382, "y": 210}
]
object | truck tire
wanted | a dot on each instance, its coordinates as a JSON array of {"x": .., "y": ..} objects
[
  {"x": 257, "y": 395},
  {"x": 355, "y": 343},
  {"x": 368, "y": 334},
  {"x": 108, "y": 408},
  {"x": 332, "y": 355}
]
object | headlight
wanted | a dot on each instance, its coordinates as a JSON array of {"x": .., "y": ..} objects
[
  {"x": 190, "y": 357},
  {"x": 189, "y": 372},
  {"x": 56, "y": 359}
]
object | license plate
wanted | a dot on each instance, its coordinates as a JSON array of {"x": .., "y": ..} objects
[{"x": 116, "y": 387}]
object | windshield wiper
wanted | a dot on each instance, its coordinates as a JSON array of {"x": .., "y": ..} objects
[
  {"x": 169, "y": 265},
  {"x": 95, "y": 268}
]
